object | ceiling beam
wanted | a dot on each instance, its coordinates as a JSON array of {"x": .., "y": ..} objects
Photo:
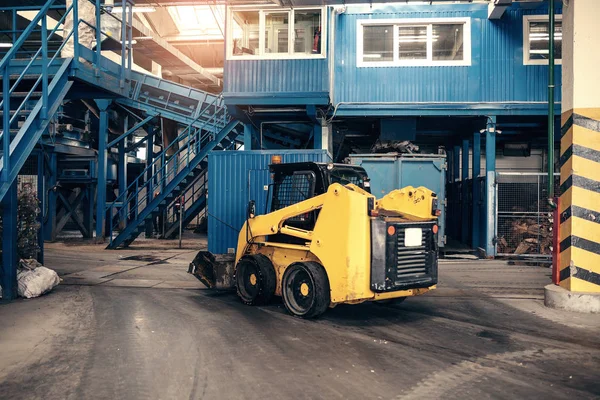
[{"x": 497, "y": 8}]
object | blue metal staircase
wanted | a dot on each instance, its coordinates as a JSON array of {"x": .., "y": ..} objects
[
  {"x": 193, "y": 201},
  {"x": 170, "y": 176},
  {"x": 26, "y": 114}
]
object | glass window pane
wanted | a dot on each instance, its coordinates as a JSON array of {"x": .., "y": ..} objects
[
  {"x": 448, "y": 42},
  {"x": 538, "y": 40},
  {"x": 378, "y": 43},
  {"x": 245, "y": 33},
  {"x": 307, "y": 31},
  {"x": 412, "y": 42},
  {"x": 276, "y": 29}
]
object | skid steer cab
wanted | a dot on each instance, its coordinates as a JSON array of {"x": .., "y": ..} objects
[{"x": 327, "y": 240}]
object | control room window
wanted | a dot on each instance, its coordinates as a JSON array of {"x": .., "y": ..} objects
[
  {"x": 245, "y": 32},
  {"x": 414, "y": 42},
  {"x": 276, "y": 33},
  {"x": 536, "y": 30},
  {"x": 378, "y": 43}
]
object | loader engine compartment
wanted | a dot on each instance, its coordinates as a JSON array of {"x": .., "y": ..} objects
[{"x": 403, "y": 255}]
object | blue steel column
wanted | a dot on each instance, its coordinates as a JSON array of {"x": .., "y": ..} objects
[
  {"x": 490, "y": 184},
  {"x": 455, "y": 212},
  {"x": 248, "y": 136},
  {"x": 122, "y": 173},
  {"x": 8, "y": 276},
  {"x": 318, "y": 136},
  {"x": 464, "y": 236},
  {"x": 476, "y": 170},
  {"x": 50, "y": 209},
  {"x": 149, "y": 174},
  {"x": 102, "y": 165},
  {"x": 42, "y": 199},
  {"x": 89, "y": 197}
]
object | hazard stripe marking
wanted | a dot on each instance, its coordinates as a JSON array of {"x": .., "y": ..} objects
[
  {"x": 588, "y": 123},
  {"x": 580, "y": 212},
  {"x": 580, "y": 273},
  {"x": 580, "y": 243}
]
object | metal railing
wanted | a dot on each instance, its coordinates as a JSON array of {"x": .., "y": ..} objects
[
  {"x": 165, "y": 168},
  {"x": 523, "y": 216},
  {"x": 12, "y": 110}
]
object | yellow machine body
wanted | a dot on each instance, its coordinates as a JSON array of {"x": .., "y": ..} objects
[{"x": 341, "y": 239}]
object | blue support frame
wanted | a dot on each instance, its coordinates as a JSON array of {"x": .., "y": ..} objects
[
  {"x": 10, "y": 258},
  {"x": 318, "y": 136},
  {"x": 150, "y": 174},
  {"x": 464, "y": 233},
  {"x": 50, "y": 218},
  {"x": 476, "y": 171},
  {"x": 248, "y": 130},
  {"x": 42, "y": 199},
  {"x": 490, "y": 183},
  {"x": 102, "y": 167},
  {"x": 122, "y": 169}
]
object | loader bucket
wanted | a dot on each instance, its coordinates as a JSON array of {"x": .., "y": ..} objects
[{"x": 214, "y": 270}]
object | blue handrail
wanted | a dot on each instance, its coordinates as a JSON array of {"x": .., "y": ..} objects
[{"x": 164, "y": 169}]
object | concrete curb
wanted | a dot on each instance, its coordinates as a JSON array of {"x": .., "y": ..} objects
[{"x": 558, "y": 297}]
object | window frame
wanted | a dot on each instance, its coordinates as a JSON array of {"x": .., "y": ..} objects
[
  {"x": 428, "y": 22},
  {"x": 526, "y": 49},
  {"x": 290, "y": 55}
]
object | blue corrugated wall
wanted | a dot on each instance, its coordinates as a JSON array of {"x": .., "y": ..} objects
[
  {"x": 236, "y": 177},
  {"x": 497, "y": 73},
  {"x": 276, "y": 76}
]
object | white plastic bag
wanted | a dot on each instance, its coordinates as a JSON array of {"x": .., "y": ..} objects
[{"x": 34, "y": 283}]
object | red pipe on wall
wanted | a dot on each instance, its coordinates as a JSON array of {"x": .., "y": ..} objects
[{"x": 556, "y": 243}]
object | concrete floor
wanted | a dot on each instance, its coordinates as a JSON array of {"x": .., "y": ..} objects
[{"x": 121, "y": 328}]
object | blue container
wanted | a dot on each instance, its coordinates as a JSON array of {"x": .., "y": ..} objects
[
  {"x": 235, "y": 178},
  {"x": 395, "y": 171}
]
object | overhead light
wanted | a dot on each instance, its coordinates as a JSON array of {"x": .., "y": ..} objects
[
  {"x": 6, "y": 45},
  {"x": 135, "y": 9},
  {"x": 372, "y": 55}
]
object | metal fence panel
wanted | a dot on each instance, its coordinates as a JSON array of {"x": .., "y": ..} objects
[{"x": 523, "y": 225}]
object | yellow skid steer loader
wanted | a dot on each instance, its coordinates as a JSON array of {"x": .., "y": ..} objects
[{"x": 328, "y": 241}]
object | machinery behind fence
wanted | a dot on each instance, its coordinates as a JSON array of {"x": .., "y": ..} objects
[{"x": 524, "y": 218}]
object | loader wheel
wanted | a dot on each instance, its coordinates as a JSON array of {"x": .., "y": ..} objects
[
  {"x": 305, "y": 289},
  {"x": 255, "y": 279}
]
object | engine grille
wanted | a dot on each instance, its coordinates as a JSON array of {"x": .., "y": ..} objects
[
  {"x": 397, "y": 267},
  {"x": 411, "y": 261}
]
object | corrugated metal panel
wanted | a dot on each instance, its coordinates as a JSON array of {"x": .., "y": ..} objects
[
  {"x": 389, "y": 172},
  {"x": 233, "y": 178},
  {"x": 496, "y": 74},
  {"x": 266, "y": 76}
]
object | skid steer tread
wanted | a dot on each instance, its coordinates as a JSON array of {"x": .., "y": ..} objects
[{"x": 266, "y": 280}]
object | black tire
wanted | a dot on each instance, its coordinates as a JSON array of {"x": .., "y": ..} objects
[
  {"x": 305, "y": 289},
  {"x": 255, "y": 280},
  {"x": 388, "y": 302}
]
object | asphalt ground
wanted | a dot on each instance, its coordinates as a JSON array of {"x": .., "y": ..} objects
[{"x": 120, "y": 328}]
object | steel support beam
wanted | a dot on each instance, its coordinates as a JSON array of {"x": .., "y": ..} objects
[
  {"x": 490, "y": 183},
  {"x": 102, "y": 168},
  {"x": 10, "y": 258},
  {"x": 42, "y": 200},
  {"x": 122, "y": 173},
  {"x": 50, "y": 192},
  {"x": 248, "y": 136},
  {"x": 497, "y": 8},
  {"x": 464, "y": 233},
  {"x": 149, "y": 174},
  {"x": 476, "y": 171}
]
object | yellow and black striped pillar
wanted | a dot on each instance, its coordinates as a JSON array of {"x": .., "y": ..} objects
[
  {"x": 580, "y": 200},
  {"x": 579, "y": 233}
]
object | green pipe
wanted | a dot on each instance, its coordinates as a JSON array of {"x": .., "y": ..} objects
[{"x": 551, "y": 104}]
